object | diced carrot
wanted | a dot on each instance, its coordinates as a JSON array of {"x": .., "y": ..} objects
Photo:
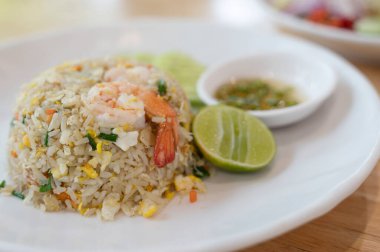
[
  {"x": 50, "y": 111},
  {"x": 63, "y": 196},
  {"x": 74, "y": 205},
  {"x": 193, "y": 196},
  {"x": 14, "y": 154},
  {"x": 78, "y": 68},
  {"x": 49, "y": 114}
]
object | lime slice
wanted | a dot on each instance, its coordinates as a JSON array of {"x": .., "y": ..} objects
[{"x": 233, "y": 139}]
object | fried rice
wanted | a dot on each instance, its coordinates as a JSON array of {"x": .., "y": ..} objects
[{"x": 62, "y": 158}]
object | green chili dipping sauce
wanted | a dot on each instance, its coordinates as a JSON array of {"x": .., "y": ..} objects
[{"x": 256, "y": 94}]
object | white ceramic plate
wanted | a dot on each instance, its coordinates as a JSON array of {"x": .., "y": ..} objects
[
  {"x": 320, "y": 161},
  {"x": 350, "y": 44}
]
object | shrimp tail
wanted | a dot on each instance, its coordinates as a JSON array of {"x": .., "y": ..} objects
[{"x": 166, "y": 142}]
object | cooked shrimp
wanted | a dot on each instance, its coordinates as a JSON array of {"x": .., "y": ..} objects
[
  {"x": 119, "y": 103},
  {"x": 167, "y": 135},
  {"x": 114, "y": 106}
]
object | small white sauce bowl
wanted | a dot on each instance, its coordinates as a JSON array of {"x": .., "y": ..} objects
[{"x": 314, "y": 80}]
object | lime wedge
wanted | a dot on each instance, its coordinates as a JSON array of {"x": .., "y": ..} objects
[{"x": 233, "y": 139}]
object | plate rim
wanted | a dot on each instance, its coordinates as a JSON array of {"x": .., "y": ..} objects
[{"x": 242, "y": 239}]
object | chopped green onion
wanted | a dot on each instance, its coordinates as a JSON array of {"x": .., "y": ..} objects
[
  {"x": 110, "y": 137},
  {"x": 18, "y": 195},
  {"x": 2, "y": 184},
  {"x": 91, "y": 141},
  {"x": 46, "y": 141},
  {"x": 201, "y": 172},
  {"x": 23, "y": 119},
  {"x": 161, "y": 86},
  {"x": 46, "y": 187}
]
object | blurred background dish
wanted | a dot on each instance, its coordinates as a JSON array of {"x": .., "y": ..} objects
[{"x": 351, "y": 28}]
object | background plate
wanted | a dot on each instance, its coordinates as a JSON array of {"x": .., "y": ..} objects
[
  {"x": 354, "y": 45},
  {"x": 320, "y": 161}
]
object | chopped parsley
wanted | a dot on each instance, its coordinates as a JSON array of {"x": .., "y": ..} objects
[
  {"x": 161, "y": 86},
  {"x": 109, "y": 137},
  {"x": 18, "y": 195},
  {"x": 201, "y": 172},
  {"x": 91, "y": 141}
]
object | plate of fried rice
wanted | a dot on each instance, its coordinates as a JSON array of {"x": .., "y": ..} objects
[{"x": 98, "y": 152}]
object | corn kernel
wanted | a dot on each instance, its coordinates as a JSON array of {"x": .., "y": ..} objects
[
  {"x": 99, "y": 147},
  {"x": 82, "y": 210},
  {"x": 150, "y": 211},
  {"x": 40, "y": 151},
  {"x": 82, "y": 179},
  {"x": 169, "y": 195},
  {"x": 90, "y": 171},
  {"x": 126, "y": 127},
  {"x": 35, "y": 101},
  {"x": 21, "y": 146},
  {"x": 194, "y": 179},
  {"x": 92, "y": 133},
  {"x": 26, "y": 141}
]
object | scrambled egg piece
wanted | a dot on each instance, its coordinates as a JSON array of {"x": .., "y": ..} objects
[{"x": 90, "y": 172}]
